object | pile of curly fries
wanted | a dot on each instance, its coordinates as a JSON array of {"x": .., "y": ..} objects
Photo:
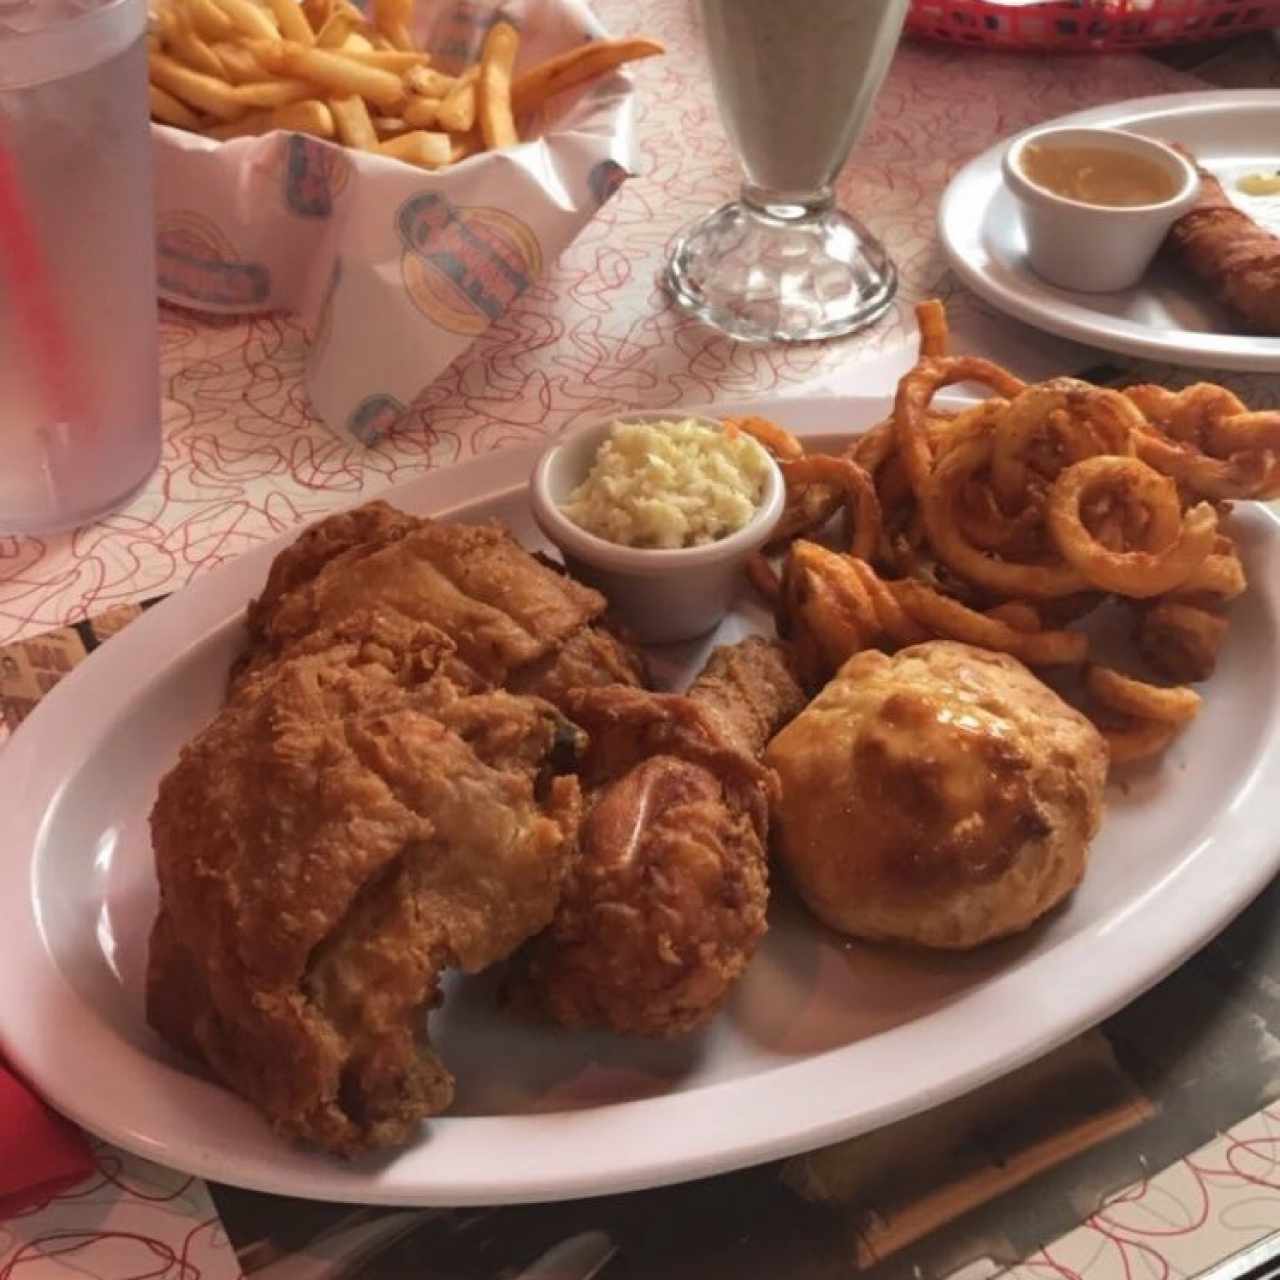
[{"x": 1001, "y": 524}]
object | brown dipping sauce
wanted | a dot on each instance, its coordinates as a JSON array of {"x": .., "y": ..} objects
[{"x": 1098, "y": 175}]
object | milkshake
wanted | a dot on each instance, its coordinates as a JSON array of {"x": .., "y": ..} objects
[{"x": 795, "y": 82}]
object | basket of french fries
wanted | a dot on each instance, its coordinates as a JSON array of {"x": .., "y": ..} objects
[{"x": 397, "y": 176}]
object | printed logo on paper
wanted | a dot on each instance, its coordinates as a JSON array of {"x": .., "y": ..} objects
[
  {"x": 314, "y": 173},
  {"x": 197, "y": 263},
  {"x": 463, "y": 267},
  {"x": 604, "y": 179},
  {"x": 374, "y": 416}
]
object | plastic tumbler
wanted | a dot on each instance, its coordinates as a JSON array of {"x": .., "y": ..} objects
[{"x": 79, "y": 357}]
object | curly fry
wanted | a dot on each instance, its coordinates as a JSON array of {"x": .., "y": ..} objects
[
  {"x": 1066, "y": 421},
  {"x": 940, "y": 509},
  {"x": 824, "y": 610},
  {"x": 1019, "y": 616},
  {"x": 896, "y": 623},
  {"x": 1137, "y": 573},
  {"x": 1143, "y": 701},
  {"x": 931, "y": 319},
  {"x": 1204, "y": 438},
  {"x": 1219, "y": 577},
  {"x": 873, "y": 448},
  {"x": 954, "y": 621},
  {"x": 1138, "y": 740},
  {"x": 846, "y": 477},
  {"x": 1181, "y": 641},
  {"x": 808, "y": 507},
  {"x": 777, "y": 439},
  {"x": 1150, "y": 716},
  {"x": 916, "y": 391}
]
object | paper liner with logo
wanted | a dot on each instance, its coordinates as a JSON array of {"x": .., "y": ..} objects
[{"x": 395, "y": 270}]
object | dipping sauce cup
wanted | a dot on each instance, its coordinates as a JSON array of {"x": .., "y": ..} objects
[{"x": 1084, "y": 244}]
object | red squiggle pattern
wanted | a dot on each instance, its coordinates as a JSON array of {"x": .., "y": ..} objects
[
  {"x": 1213, "y": 1204},
  {"x": 132, "y": 1220}
]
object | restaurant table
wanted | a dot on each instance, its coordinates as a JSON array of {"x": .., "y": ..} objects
[{"x": 1147, "y": 1147}]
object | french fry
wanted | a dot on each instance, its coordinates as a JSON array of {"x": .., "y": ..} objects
[
  {"x": 160, "y": 21},
  {"x": 397, "y": 61},
  {"x": 339, "y": 76},
  {"x": 209, "y": 20},
  {"x": 238, "y": 63},
  {"x": 421, "y": 113},
  {"x": 493, "y": 88},
  {"x": 291, "y": 20},
  {"x": 273, "y": 93},
  {"x": 533, "y": 87},
  {"x": 185, "y": 44},
  {"x": 352, "y": 122},
  {"x": 247, "y": 18},
  {"x": 466, "y": 144},
  {"x": 334, "y": 32},
  {"x": 206, "y": 93},
  {"x": 248, "y": 126},
  {"x": 426, "y": 150},
  {"x": 168, "y": 110},
  {"x": 317, "y": 12},
  {"x": 238, "y": 68},
  {"x": 394, "y": 18},
  {"x": 458, "y": 110},
  {"x": 311, "y": 117},
  {"x": 429, "y": 83}
]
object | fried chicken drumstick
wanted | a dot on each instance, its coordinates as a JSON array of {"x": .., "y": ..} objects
[{"x": 666, "y": 903}]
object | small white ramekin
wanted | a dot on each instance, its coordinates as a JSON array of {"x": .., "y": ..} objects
[
  {"x": 1088, "y": 247},
  {"x": 661, "y": 595}
]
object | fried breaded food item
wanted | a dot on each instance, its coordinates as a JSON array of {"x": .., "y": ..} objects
[
  {"x": 514, "y": 618},
  {"x": 666, "y": 904},
  {"x": 354, "y": 822},
  {"x": 1236, "y": 258},
  {"x": 943, "y": 796}
]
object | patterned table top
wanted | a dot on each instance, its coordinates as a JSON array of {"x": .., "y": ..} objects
[
  {"x": 1100, "y": 1184},
  {"x": 244, "y": 459}
]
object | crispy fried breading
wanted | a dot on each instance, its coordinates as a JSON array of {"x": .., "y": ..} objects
[
  {"x": 325, "y": 849},
  {"x": 666, "y": 904}
]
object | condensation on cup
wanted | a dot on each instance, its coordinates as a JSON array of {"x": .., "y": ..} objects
[{"x": 79, "y": 357}]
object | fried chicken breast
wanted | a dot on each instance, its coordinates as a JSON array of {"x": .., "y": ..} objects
[
  {"x": 370, "y": 808},
  {"x": 665, "y": 904},
  {"x": 514, "y": 618},
  {"x": 352, "y": 824},
  {"x": 943, "y": 796}
]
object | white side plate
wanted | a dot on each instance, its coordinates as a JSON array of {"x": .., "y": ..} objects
[{"x": 1168, "y": 315}]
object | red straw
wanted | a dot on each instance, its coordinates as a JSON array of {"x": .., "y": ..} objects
[{"x": 24, "y": 265}]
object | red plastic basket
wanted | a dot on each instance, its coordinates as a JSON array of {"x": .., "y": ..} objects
[{"x": 1062, "y": 26}]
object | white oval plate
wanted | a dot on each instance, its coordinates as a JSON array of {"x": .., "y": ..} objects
[
  {"x": 821, "y": 1040},
  {"x": 1168, "y": 315}
]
